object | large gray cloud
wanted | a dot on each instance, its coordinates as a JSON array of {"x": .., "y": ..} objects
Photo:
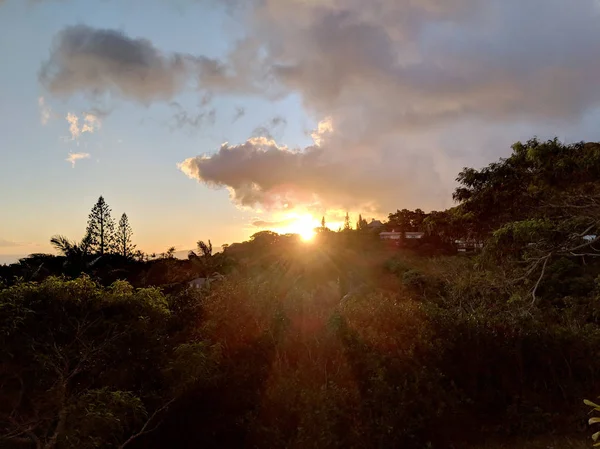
[
  {"x": 103, "y": 61},
  {"x": 260, "y": 173},
  {"x": 414, "y": 91}
]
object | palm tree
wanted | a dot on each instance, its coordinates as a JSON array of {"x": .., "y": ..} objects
[
  {"x": 76, "y": 254},
  {"x": 67, "y": 247}
]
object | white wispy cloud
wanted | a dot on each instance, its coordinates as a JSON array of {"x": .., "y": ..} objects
[
  {"x": 91, "y": 123},
  {"x": 45, "y": 110},
  {"x": 74, "y": 157}
]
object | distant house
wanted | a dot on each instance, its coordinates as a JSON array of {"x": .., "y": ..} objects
[
  {"x": 375, "y": 224},
  {"x": 202, "y": 282},
  {"x": 468, "y": 245},
  {"x": 393, "y": 235},
  {"x": 197, "y": 283}
]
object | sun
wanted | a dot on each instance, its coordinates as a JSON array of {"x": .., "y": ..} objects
[
  {"x": 301, "y": 224},
  {"x": 307, "y": 234}
]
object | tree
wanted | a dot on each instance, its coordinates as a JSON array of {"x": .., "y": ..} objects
[
  {"x": 70, "y": 380},
  {"x": 407, "y": 221},
  {"x": 536, "y": 208},
  {"x": 76, "y": 254},
  {"x": 347, "y": 226},
  {"x": 537, "y": 176},
  {"x": 323, "y": 224},
  {"x": 361, "y": 224},
  {"x": 101, "y": 228},
  {"x": 170, "y": 254},
  {"x": 123, "y": 238},
  {"x": 204, "y": 249}
]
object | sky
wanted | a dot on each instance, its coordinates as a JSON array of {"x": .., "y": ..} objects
[{"x": 207, "y": 119}]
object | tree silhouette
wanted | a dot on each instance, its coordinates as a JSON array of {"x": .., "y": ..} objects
[
  {"x": 76, "y": 254},
  {"x": 204, "y": 249},
  {"x": 361, "y": 224},
  {"x": 323, "y": 223},
  {"x": 170, "y": 254},
  {"x": 347, "y": 226},
  {"x": 101, "y": 228},
  {"x": 123, "y": 237}
]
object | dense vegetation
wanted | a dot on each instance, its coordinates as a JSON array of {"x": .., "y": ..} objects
[{"x": 345, "y": 342}]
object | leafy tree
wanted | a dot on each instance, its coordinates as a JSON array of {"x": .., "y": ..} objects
[
  {"x": 538, "y": 205},
  {"x": 205, "y": 249},
  {"x": 97, "y": 371},
  {"x": 264, "y": 238},
  {"x": 407, "y": 221},
  {"x": 170, "y": 254},
  {"x": 123, "y": 237},
  {"x": 535, "y": 181},
  {"x": 101, "y": 228}
]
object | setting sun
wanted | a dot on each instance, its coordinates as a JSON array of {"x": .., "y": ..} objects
[
  {"x": 307, "y": 235},
  {"x": 302, "y": 224}
]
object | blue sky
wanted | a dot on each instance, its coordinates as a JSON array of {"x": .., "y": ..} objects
[
  {"x": 133, "y": 156},
  {"x": 206, "y": 119}
]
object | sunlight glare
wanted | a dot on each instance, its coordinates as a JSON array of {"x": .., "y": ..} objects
[
  {"x": 304, "y": 225},
  {"x": 307, "y": 235}
]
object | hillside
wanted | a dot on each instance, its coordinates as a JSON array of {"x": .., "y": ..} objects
[{"x": 343, "y": 341}]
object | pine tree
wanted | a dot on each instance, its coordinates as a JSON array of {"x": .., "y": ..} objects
[
  {"x": 123, "y": 237},
  {"x": 347, "y": 226},
  {"x": 323, "y": 222},
  {"x": 101, "y": 228},
  {"x": 361, "y": 224}
]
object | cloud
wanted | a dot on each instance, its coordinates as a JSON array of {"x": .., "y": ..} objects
[
  {"x": 273, "y": 127},
  {"x": 262, "y": 224},
  {"x": 184, "y": 119},
  {"x": 91, "y": 123},
  {"x": 262, "y": 174},
  {"x": 10, "y": 244},
  {"x": 412, "y": 91},
  {"x": 73, "y": 126},
  {"x": 408, "y": 91},
  {"x": 108, "y": 62},
  {"x": 239, "y": 113},
  {"x": 45, "y": 111},
  {"x": 74, "y": 157}
]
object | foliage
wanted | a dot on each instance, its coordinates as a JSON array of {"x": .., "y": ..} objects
[
  {"x": 594, "y": 420},
  {"x": 82, "y": 364}
]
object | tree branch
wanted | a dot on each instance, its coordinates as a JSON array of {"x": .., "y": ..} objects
[
  {"x": 584, "y": 245},
  {"x": 144, "y": 430},
  {"x": 537, "y": 284}
]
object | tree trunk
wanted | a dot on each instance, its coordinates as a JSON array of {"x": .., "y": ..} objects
[{"x": 62, "y": 420}]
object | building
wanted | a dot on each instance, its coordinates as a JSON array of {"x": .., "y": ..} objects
[
  {"x": 390, "y": 235},
  {"x": 468, "y": 245},
  {"x": 375, "y": 224},
  {"x": 197, "y": 283},
  {"x": 393, "y": 235},
  {"x": 414, "y": 235}
]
